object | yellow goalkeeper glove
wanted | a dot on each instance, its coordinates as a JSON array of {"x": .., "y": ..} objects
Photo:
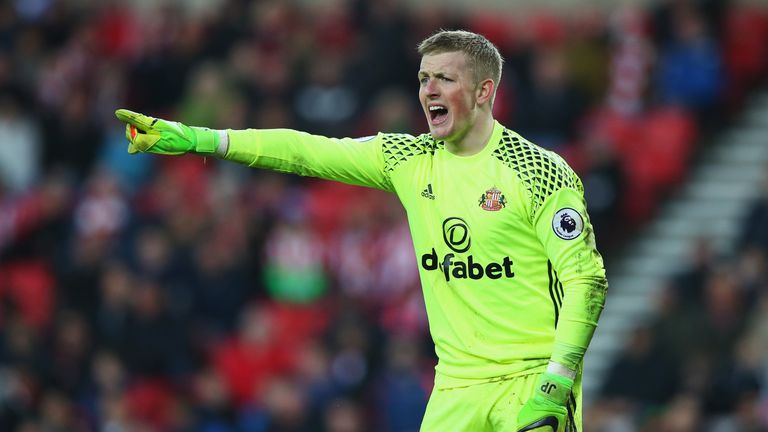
[
  {"x": 545, "y": 411},
  {"x": 154, "y": 135}
]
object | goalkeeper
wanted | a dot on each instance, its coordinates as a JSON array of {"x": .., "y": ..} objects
[{"x": 512, "y": 280}]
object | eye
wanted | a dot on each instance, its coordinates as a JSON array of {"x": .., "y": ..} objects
[
  {"x": 446, "y": 79},
  {"x": 423, "y": 80}
]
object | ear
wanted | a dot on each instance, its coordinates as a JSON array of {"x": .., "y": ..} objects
[{"x": 485, "y": 91}]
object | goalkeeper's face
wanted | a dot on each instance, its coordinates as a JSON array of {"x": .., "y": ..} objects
[{"x": 448, "y": 95}]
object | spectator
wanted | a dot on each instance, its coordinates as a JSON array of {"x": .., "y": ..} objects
[
  {"x": 252, "y": 357},
  {"x": 326, "y": 103},
  {"x": 644, "y": 377},
  {"x": 293, "y": 269},
  {"x": 604, "y": 180},
  {"x": 688, "y": 284},
  {"x": 108, "y": 380},
  {"x": 344, "y": 416},
  {"x": 755, "y": 232},
  {"x": 690, "y": 67},
  {"x": 155, "y": 343},
  {"x": 20, "y": 151},
  {"x": 214, "y": 410},
  {"x": 71, "y": 136},
  {"x": 549, "y": 108},
  {"x": 67, "y": 354},
  {"x": 402, "y": 397}
]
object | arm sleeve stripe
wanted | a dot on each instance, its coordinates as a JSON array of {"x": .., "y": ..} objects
[
  {"x": 556, "y": 299},
  {"x": 570, "y": 425}
]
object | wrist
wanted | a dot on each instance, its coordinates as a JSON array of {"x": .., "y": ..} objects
[
  {"x": 206, "y": 140},
  {"x": 553, "y": 387},
  {"x": 221, "y": 149},
  {"x": 562, "y": 370}
]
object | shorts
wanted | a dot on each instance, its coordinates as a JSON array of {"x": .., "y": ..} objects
[{"x": 489, "y": 406}]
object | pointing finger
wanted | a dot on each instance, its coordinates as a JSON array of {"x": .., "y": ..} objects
[{"x": 141, "y": 121}]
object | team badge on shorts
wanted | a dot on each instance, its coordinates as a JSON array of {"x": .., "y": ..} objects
[{"x": 567, "y": 223}]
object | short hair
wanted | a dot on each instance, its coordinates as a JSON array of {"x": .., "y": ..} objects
[{"x": 483, "y": 55}]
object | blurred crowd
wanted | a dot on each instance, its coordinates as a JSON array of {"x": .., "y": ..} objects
[
  {"x": 148, "y": 293},
  {"x": 700, "y": 363}
]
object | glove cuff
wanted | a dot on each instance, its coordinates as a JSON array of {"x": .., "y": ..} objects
[
  {"x": 207, "y": 140},
  {"x": 553, "y": 387},
  {"x": 559, "y": 369}
]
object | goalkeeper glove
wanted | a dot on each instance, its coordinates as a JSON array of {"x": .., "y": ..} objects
[
  {"x": 154, "y": 135},
  {"x": 545, "y": 411}
]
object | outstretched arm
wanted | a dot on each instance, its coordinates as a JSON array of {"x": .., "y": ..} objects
[{"x": 353, "y": 161}]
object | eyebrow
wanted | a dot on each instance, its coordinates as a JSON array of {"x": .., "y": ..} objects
[{"x": 436, "y": 74}]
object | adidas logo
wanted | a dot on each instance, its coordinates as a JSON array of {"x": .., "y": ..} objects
[{"x": 427, "y": 193}]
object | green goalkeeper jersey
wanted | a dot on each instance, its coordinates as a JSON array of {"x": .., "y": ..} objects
[{"x": 507, "y": 259}]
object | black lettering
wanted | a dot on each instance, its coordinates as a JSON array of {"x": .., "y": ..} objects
[
  {"x": 508, "y": 268},
  {"x": 493, "y": 270},
  {"x": 429, "y": 261},
  {"x": 460, "y": 270},
  {"x": 447, "y": 261},
  {"x": 475, "y": 269}
]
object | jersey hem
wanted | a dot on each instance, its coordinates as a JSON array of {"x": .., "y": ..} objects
[{"x": 444, "y": 380}]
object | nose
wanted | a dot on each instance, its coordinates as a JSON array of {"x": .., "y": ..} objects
[{"x": 430, "y": 88}]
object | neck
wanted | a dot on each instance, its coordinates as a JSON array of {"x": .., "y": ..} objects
[{"x": 474, "y": 140}]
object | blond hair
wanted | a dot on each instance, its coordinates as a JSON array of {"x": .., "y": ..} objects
[{"x": 483, "y": 56}]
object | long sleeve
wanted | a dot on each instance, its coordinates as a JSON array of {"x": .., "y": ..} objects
[
  {"x": 563, "y": 226},
  {"x": 353, "y": 161}
]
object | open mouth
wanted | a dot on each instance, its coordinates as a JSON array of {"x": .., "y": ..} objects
[{"x": 438, "y": 114}]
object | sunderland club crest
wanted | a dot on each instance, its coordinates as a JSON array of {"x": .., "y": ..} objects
[{"x": 492, "y": 200}]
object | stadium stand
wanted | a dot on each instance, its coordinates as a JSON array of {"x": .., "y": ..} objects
[{"x": 176, "y": 294}]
